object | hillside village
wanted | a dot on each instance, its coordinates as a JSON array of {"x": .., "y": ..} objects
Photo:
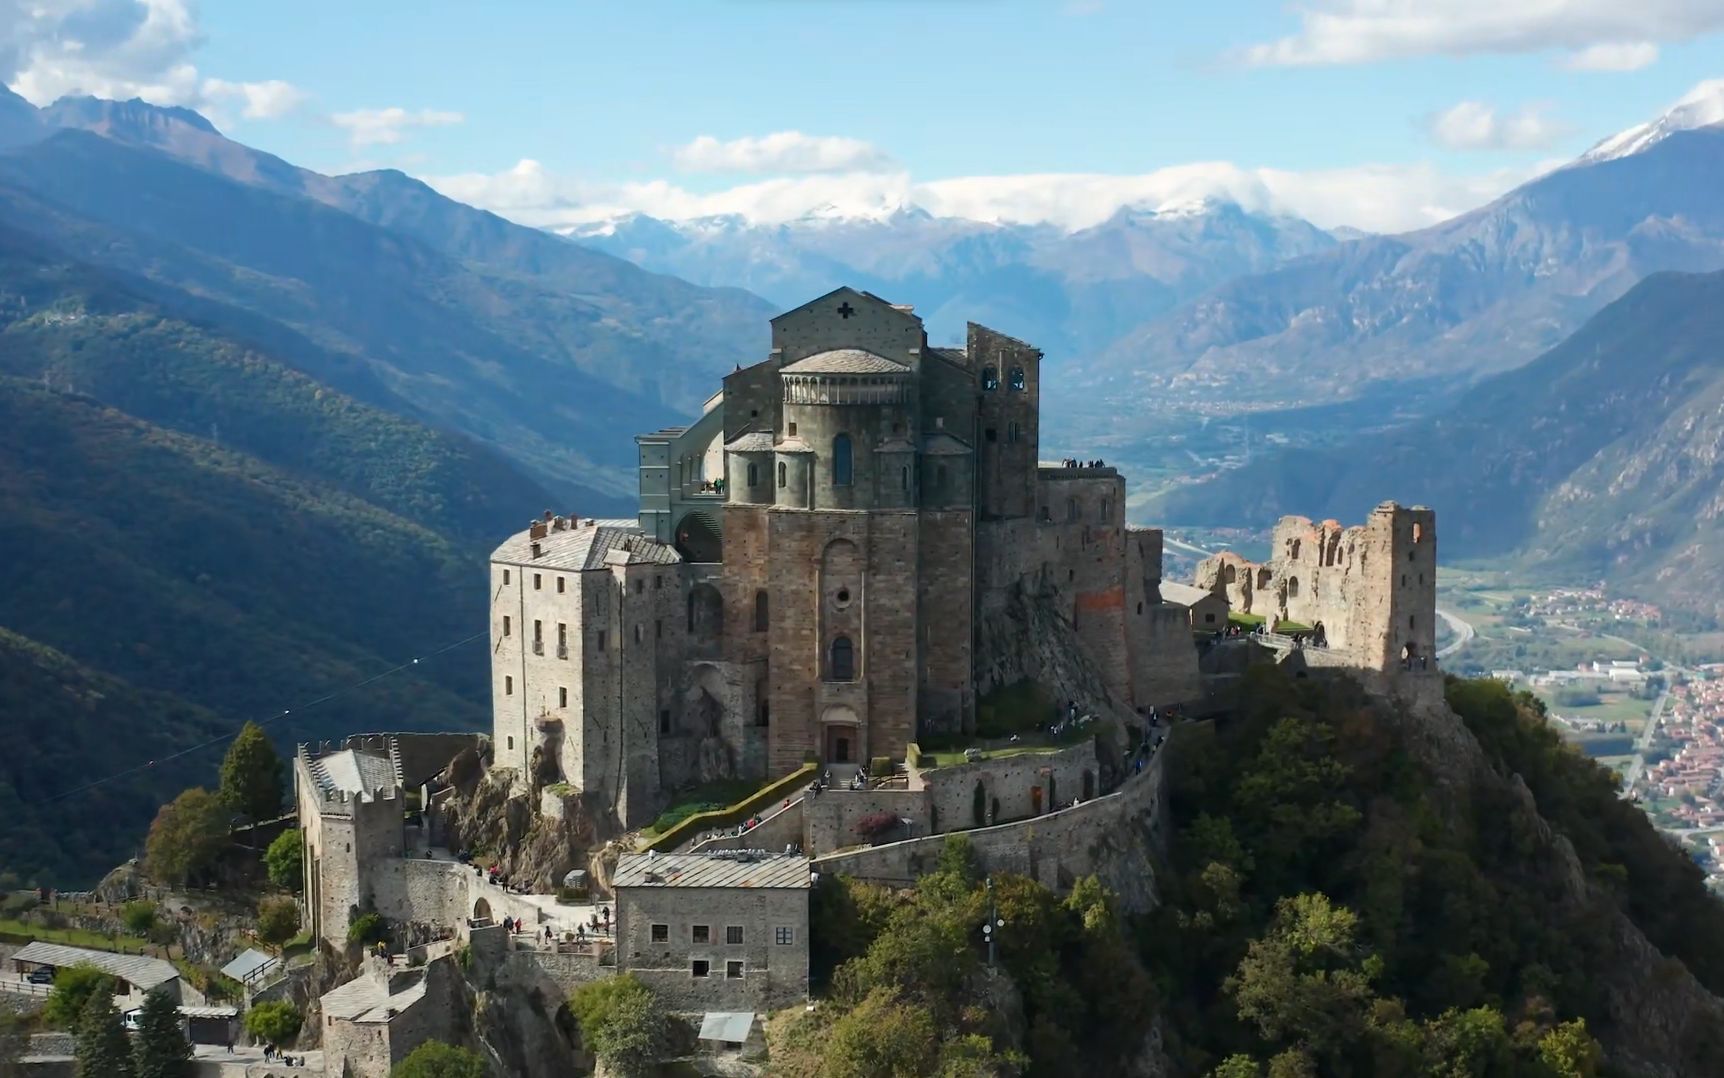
[{"x": 854, "y": 589}]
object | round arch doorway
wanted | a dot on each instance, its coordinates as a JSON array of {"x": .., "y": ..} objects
[{"x": 841, "y": 735}]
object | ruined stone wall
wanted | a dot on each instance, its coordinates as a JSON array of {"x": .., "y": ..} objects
[
  {"x": 1372, "y": 586},
  {"x": 1116, "y": 837},
  {"x": 773, "y": 953},
  {"x": 1020, "y": 786},
  {"x": 1161, "y": 658}
]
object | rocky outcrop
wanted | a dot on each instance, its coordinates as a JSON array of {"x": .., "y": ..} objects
[{"x": 529, "y": 847}]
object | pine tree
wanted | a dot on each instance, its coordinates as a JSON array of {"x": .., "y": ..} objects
[
  {"x": 162, "y": 1050},
  {"x": 102, "y": 1051},
  {"x": 251, "y": 775}
]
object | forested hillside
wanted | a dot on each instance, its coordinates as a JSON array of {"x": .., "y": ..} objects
[
  {"x": 193, "y": 534},
  {"x": 1355, "y": 888}
]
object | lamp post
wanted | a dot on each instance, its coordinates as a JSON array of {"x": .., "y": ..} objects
[{"x": 991, "y": 930}]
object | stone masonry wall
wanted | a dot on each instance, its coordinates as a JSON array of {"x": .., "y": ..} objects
[
  {"x": 830, "y": 818},
  {"x": 774, "y": 973},
  {"x": 1117, "y": 837},
  {"x": 1013, "y": 783}
]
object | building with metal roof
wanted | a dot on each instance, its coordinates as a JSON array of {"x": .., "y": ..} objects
[
  {"x": 723, "y": 930},
  {"x": 138, "y": 974}
]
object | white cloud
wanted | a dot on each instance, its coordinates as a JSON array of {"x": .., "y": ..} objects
[
  {"x": 261, "y": 100},
  {"x": 1474, "y": 125},
  {"x": 1366, "y": 31},
  {"x": 386, "y": 127},
  {"x": 782, "y": 151},
  {"x": 121, "y": 49},
  {"x": 1383, "y": 198},
  {"x": 1613, "y": 56}
]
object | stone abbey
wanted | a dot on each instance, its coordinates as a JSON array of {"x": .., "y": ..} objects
[{"x": 853, "y": 543}]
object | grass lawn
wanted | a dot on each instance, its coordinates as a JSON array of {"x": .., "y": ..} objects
[
  {"x": 951, "y": 753},
  {"x": 77, "y": 937},
  {"x": 956, "y": 756},
  {"x": 707, "y": 797}
]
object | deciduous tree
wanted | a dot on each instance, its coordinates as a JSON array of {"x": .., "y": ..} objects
[
  {"x": 621, "y": 1022},
  {"x": 187, "y": 837},
  {"x": 74, "y": 987},
  {"x": 285, "y": 860},
  {"x": 273, "y": 1023},
  {"x": 438, "y": 1060},
  {"x": 277, "y": 920}
]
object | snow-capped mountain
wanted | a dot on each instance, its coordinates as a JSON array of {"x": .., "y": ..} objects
[
  {"x": 1071, "y": 291},
  {"x": 1701, "y": 107}
]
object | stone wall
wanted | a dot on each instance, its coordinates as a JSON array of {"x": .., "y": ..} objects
[
  {"x": 1021, "y": 786},
  {"x": 372, "y": 1046},
  {"x": 1116, "y": 837},
  {"x": 779, "y": 828},
  {"x": 830, "y": 817},
  {"x": 773, "y": 953},
  {"x": 1372, "y": 586}
]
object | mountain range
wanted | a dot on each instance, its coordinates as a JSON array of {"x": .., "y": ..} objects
[
  {"x": 550, "y": 352},
  {"x": 1072, "y": 292},
  {"x": 1601, "y": 459}
]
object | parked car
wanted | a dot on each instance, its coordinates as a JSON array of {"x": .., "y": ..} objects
[{"x": 41, "y": 975}]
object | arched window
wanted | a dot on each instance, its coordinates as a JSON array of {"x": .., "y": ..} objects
[
  {"x": 904, "y": 478},
  {"x": 760, "y": 612},
  {"x": 1292, "y": 587},
  {"x": 841, "y": 469},
  {"x": 1294, "y": 553},
  {"x": 783, "y": 474},
  {"x": 843, "y": 659},
  {"x": 1017, "y": 383},
  {"x": 990, "y": 378}
]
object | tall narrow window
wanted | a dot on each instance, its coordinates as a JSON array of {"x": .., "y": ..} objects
[
  {"x": 783, "y": 474},
  {"x": 562, "y": 696},
  {"x": 560, "y": 583},
  {"x": 1017, "y": 383},
  {"x": 505, "y": 625},
  {"x": 790, "y": 429},
  {"x": 990, "y": 378},
  {"x": 760, "y": 612},
  {"x": 505, "y": 576},
  {"x": 508, "y": 686},
  {"x": 940, "y": 478},
  {"x": 843, "y": 659},
  {"x": 904, "y": 478},
  {"x": 754, "y": 475},
  {"x": 841, "y": 469}
]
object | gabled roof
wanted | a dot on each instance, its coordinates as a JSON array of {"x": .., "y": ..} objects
[
  {"x": 137, "y": 970},
  {"x": 250, "y": 963},
  {"x": 359, "y": 774},
  {"x": 846, "y": 361},
  {"x": 1184, "y": 594},
  {"x": 845, "y": 292}
]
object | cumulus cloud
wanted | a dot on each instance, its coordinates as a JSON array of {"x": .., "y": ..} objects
[
  {"x": 1366, "y": 31},
  {"x": 1386, "y": 198},
  {"x": 386, "y": 127},
  {"x": 121, "y": 49},
  {"x": 1613, "y": 56},
  {"x": 780, "y": 152},
  {"x": 1474, "y": 125},
  {"x": 259, "y": 100}
]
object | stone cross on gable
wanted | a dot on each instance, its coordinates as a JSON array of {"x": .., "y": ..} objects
[{"x": 845, "y": 310}]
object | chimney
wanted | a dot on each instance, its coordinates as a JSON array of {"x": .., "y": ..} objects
[
  {"x": 537, "y": 530},
  {"x": 559, "y": 524},
  {"x": 536, "y": 550},
  {"x": 548, "y": 516}
]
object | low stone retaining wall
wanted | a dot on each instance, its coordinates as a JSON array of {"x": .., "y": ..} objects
[{"x": 1117, "y": 837}]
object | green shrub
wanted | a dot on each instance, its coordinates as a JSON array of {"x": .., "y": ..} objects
[
  {"x": 621, "y": 1023},
  {"x": 273, "y": 1023},
  {"x": 367, "y": 928},
  {"x": 139, "y": 917},
  {"x": 438, "y": 1060},
  {"x": 277, "y": 920},
  {"x": 285, "y": 860},
  {"x": 74, "y": 986}
]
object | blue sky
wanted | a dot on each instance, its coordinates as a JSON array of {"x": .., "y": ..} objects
[{"x": 877, "y": 99}]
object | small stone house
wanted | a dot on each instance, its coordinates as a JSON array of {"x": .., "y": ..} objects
[
  {"x": 726, "y": 931},
  {"x": 1208, "y": 609}
]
